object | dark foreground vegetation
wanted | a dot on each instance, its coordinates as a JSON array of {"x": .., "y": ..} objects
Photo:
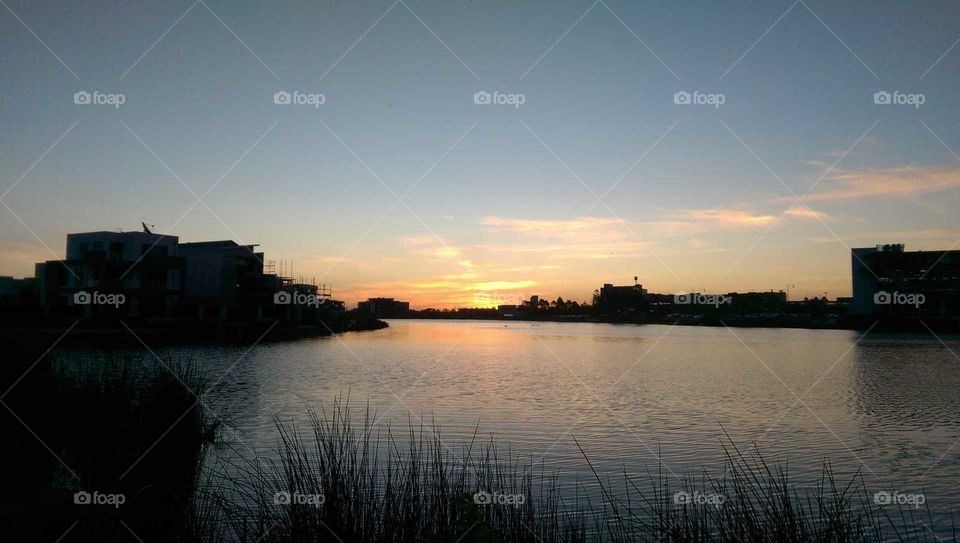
[
  {"x": 117, "y": 332},
  {"x": 124, "y": 428},
  {"x": 97, "y": 430}
]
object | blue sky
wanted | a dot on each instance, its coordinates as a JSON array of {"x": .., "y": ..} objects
[{"x": 498, "y": 201}]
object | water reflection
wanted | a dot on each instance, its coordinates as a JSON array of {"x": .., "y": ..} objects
[{"x": 634, "y": 397}]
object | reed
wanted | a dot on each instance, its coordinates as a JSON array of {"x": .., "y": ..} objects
[{"x": 369, "y": 485}]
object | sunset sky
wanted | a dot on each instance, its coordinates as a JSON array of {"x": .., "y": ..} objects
[{"x": 398, "y": 184}]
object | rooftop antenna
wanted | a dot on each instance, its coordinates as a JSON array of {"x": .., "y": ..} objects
[{"x": 146, "y": 230}]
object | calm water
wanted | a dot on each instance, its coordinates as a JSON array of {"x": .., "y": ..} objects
[{"x": 630, "y": 394}]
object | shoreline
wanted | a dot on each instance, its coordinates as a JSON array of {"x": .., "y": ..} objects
[
  {"x": 191, "y": 333},
  {"x": 842, "y": 323}
]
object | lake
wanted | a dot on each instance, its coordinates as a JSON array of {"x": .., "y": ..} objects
[{"x": 632, "y": 396}]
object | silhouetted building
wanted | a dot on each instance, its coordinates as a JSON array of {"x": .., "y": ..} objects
[
  {"x": 17, "y": 292},
  {"x": 383, "y": 308},
  {"x": 223, "y": 278},
  {"x": 612, "y": 299},
  {"x": 507, "y": 310},
  {"x": 890, "y": 281},
  {"x": 139, "y": 270},
  {"x": 141, "y": 274},
  {"x": 751, "y": 304},
  {"x": 757, "y": 302}
]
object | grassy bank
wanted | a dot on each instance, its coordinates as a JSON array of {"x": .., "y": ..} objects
[{"x": 346, "y": 478}]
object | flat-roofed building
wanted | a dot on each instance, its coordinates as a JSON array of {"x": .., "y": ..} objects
[
  {"x": 139, "y": 268},
  {"x": 142, "y": 274},
  {"x": 614, "y": 299},
  {"x": 887, "y": 280},
  {"x": 383, "y": 308}
]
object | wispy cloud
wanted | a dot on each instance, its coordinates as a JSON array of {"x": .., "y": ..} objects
[
  {"x": 446, "y": 252},
  {"x": 555, "y": 251},
  {"x": 931, "y": 237},
  {"x": 556, "y": 226},
  {"x": 728, "y": 217},
  {"x": 501, "y": 285},
  {"x": 418, "y": 241},
  {"x": 590, "y": 238},
  {"x": 805, "y": 212},
  {"x": 431, "y": 246},
  {"x": 900, "y": 182},
  {"x": 510, "y": 256}
]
